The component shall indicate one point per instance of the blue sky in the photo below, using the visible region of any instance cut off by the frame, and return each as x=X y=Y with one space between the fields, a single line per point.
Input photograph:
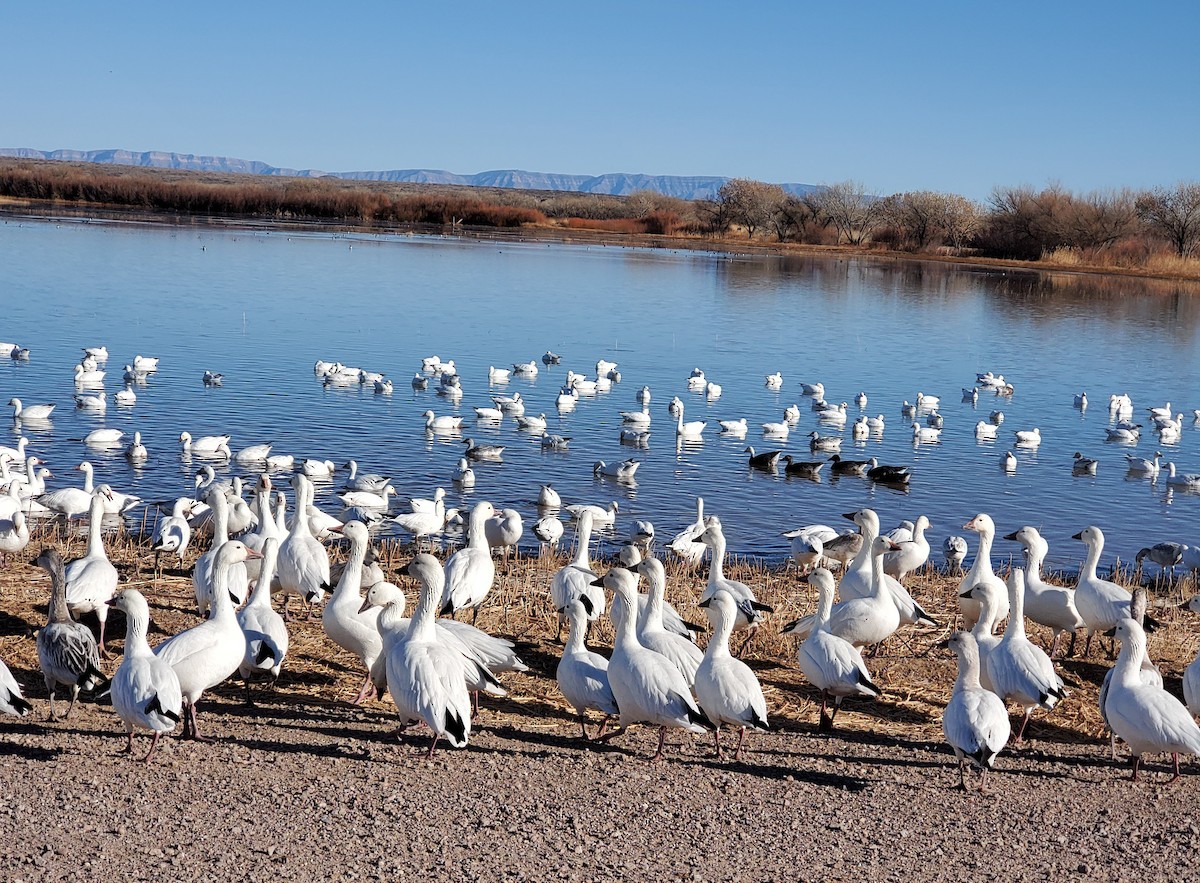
x=944 y=96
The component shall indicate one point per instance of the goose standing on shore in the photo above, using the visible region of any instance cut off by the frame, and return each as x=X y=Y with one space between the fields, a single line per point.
x=832 y=664
x=263 y=628
x=581 y=674
x=145 y=689
x=204 y=573
x=749 y=609
x=726 y=688
x=1147 y=718
x=1101 y=603
x=92 y=579
x=975 y=721
x=470 y=571
x=344 y=624
x=67 y=651
x=303 y=561
x=686 y=545
x=208 y=653
x=647 y=687
x=173 y=533
x=651 y=634
x=575 y=580
x=981 y=574
x=1051 y=606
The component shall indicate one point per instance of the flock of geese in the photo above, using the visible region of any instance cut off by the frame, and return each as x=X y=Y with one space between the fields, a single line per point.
x=434 y=665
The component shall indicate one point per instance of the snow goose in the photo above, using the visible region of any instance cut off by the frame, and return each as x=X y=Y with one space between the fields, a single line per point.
x=776 y=430
x=549 y=530
x=581 y=674
x=419 y=382
x=319 y=469
x=498 y=375
x=67 y=651
x=954 y=550
x=18 y=453
x=551 y=442
x=1018 y=669
x=362 y=481
x=712 y=390
x=464 y=475
x=1008 y=462
x=206 y=654
x=264 y=630
x=470 y=571
x=637 y=419
x=775 y=381
x=204 y=575
x=11 y=700
x=686 y=545
x=444 y=423
x=14 y=534
x=923 y=435
x=532 y=424
x=791 y=414
x=996 y=417
x=93 y=402
x=648 y=688
x=860 y=430
x=885 y=473
x=975 y=721
x=808 y=544
x=488 y=415
x=214 y=446
x=833 y=414
x=303 y=561
x=970 y=395
x=876 y=423
x=85 y=378
x=602 y=516
x=635 y=437
x=831 y=664
x=691 y=430
x=816 y=390
x=575 y=580
x=426 y=678
x=651 y=633
x=926 y=403
x=115 y=502
x=726 y=688
x=482 y=452
x=1189 y=480
x=1101 y=604
x=1191 y=674
x=1149 y=673
x=912 y=554
x=985 y=430
x=1081 y=465
x=172 y=534
x=354 y=631
x=1028 y=438
x=1165 y=555
x=548 y=498
x=525 y=369
x=865 y=620
x=513 y=404
x=136 y=452
x=503 y=531
x=1123 y=435
x=1147 y=718
x=368 y=499
x=749 y=609
x=92 y=580
x=623 y=471
x=253 y=454
x=145 y=689
x=981 y=574
x=675 y=407
x=212 y=378
x=126 y=396
x=145 y=363
x=1051 y=606
x=818 y=442
x=735 y=428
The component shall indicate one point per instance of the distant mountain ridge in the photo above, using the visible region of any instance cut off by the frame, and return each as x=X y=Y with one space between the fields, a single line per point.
x=613 y=184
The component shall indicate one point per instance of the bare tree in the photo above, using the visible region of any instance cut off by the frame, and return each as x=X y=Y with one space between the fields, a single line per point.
x=959 y=219
x=851 y=209
x=1173 y=213
x=751 y=203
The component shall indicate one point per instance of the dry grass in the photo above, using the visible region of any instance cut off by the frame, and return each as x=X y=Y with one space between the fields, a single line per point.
x=916 y=679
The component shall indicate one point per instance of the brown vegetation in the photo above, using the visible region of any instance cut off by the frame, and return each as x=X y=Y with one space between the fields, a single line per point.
x=1150 y=233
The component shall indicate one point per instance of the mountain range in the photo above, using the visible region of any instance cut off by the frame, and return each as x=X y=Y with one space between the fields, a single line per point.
x=615 y=184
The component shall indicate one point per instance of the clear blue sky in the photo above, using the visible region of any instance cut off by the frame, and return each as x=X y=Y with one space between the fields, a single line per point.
x=955 y=96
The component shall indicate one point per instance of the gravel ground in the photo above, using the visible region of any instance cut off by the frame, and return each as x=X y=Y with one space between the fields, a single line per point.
x=304 y=785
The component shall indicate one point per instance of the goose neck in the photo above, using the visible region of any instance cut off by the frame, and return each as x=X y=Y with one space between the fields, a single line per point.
x=95 y=544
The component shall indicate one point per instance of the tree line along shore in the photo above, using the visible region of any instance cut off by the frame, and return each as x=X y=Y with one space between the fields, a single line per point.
x=1153 y=233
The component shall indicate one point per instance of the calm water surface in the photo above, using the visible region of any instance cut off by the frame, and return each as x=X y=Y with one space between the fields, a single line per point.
x=262 y=307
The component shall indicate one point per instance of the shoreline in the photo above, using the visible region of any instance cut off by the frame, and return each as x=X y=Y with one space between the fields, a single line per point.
x=52 y=212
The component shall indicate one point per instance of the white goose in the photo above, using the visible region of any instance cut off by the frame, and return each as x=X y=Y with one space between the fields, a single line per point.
x=1149 y=673
x=67 y=652
x=361 y=481
x=92 y=579
x=686 y=545
x=204 y=575
x=344 y=624
x=870 y=619
x=1018 y=669
x=303 y=561
x=503 y=531
x=691 y=430
x=206 y=654
x=1028 y=438
x=575 y=580
x=602 y=516
x=32 y=412
x=975 y=721
x=581 y=674
x=1144 y=466
x=11 y=700
x=319 y=469
x=254 y=453
x=14 y=533
x=1101 y=603
x=549 y=530
x=623 y=471
x=832 y=664
x=647 y=687
x=470 y=571
x=1051 y=606
x=105 y=437
x=145 y=689
x=981 y=574
x=172 y=534
x=1147 y=718
x=637 y=419
x=136 y=451
x=425 y=678
x=726 y=688
x=683 y=654
x=115 y=502
x=212 y=446
x=749 y=609
x=368 y=499
x=912 y=554
x=265 y=633
x=73 y=501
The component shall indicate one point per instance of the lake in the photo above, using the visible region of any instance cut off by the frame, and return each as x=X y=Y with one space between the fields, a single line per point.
x=262 y=307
